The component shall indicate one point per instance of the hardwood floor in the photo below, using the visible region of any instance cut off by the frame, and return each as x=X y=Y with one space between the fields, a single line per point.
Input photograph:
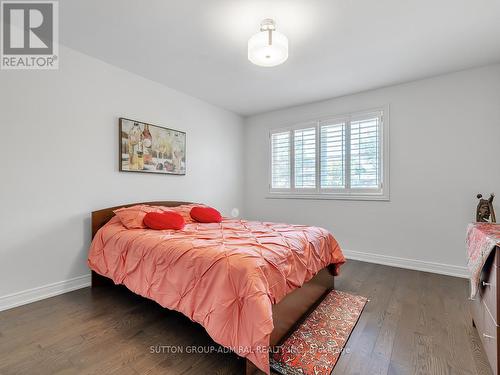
x=415 y=323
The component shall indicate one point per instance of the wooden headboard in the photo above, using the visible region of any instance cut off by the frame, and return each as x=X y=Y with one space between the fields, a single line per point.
x=101 y=217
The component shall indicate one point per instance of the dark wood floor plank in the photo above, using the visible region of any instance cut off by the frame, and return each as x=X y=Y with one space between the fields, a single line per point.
x=404 y=346
x=414 y=323
x=455 y=306
x=366 y=345
x=434 y=328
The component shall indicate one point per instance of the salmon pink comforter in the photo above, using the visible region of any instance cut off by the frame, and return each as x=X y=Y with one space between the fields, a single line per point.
x=224 y=276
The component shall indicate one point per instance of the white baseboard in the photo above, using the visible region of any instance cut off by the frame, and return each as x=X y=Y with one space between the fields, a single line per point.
x=412 y=264
x=31 y=295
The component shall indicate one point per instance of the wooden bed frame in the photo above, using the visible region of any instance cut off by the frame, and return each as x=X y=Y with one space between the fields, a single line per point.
x=287 y=314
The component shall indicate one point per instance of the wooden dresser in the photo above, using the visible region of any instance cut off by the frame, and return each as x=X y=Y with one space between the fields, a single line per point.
x=485 y=311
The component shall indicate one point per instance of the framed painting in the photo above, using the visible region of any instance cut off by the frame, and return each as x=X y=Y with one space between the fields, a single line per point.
x=148 y=148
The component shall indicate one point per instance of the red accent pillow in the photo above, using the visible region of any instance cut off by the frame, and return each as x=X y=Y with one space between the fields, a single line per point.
x=164 y=220
x=205 y=215
x=182 y=210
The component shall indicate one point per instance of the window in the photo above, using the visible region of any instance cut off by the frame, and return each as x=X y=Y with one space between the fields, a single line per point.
x=343 y=157
x=333 y=148
x=280 y=144
x=305 y=158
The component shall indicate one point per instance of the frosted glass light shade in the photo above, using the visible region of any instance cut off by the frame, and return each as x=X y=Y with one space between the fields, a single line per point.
x=261 y=53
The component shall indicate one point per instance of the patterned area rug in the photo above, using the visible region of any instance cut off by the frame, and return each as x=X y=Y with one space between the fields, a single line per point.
x=315 y=346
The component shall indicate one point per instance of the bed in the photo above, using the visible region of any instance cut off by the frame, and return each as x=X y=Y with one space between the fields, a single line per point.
x=247 y=283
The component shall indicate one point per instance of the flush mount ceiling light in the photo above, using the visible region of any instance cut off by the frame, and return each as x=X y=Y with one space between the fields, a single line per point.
x=268 y=47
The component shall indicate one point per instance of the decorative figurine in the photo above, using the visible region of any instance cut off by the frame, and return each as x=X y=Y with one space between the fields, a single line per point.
x=485 y=209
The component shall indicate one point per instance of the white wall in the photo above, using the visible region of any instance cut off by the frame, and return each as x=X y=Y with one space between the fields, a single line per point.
x=445 y=142
x=59 y=162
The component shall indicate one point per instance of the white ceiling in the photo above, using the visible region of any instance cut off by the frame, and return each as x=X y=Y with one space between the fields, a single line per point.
x=337 y=47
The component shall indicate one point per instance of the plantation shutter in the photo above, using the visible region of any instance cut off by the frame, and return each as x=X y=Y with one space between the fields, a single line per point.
x=337 y=157
x=332 y=154
x=280 y=169
x=365 y=153
x=305 y=158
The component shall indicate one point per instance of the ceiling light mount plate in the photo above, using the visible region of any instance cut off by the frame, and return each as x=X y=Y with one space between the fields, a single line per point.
x=268 y=24
x=268 y=47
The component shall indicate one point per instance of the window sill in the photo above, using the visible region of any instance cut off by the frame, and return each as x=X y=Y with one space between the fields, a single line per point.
x=326 y=196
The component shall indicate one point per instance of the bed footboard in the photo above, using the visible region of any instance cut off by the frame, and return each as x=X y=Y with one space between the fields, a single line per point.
x=295 y=307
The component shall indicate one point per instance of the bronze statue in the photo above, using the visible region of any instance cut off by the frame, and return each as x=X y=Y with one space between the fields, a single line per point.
x=485 y=209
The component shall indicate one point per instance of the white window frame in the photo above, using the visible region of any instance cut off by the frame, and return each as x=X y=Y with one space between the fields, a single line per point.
x=381 y=194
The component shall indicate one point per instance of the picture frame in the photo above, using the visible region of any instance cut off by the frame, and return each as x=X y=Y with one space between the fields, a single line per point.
x=148 y=148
